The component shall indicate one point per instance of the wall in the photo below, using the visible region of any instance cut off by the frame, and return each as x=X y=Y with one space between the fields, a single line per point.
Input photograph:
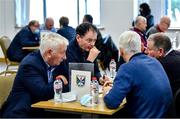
x=116 y=16
x=7 y=19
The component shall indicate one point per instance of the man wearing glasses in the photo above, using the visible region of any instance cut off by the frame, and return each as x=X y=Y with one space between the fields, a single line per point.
x=82 y=49
x=27 y=36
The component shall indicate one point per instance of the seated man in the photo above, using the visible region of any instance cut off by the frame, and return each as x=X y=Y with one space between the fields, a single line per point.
x=34 y=80
x=65 y=30
x=142 y=80
x=27 y=36
x=140 y=28
x=82 y=49
x=105 y=45
x=161 y=27
x=160 y=47
x=48 y=26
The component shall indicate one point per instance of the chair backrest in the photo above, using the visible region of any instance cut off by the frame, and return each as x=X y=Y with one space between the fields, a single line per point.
x=4 y=42
x=110 y=51
x=6 y=83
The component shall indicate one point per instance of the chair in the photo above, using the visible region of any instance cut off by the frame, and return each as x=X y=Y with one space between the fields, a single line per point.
x=4 y=43
x=6 y=83
x=109 y=52
x=177 y=102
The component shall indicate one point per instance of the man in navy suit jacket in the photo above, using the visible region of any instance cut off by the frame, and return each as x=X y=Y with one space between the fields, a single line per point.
x=159 y=46
x=27 y=36
x=32 y=83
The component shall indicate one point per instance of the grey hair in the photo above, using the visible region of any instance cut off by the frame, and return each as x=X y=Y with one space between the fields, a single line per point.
x=161 y=40
x=130 y=41
x=51 y=41
x=139 y=19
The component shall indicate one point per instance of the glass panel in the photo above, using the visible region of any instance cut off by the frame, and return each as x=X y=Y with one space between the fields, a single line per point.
x=82 y=10
x=173 y=11
x=36 y=10
x=93 y=8
x=58 y=8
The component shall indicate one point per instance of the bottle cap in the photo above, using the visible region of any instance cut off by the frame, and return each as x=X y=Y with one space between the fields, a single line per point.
x=58 y=78
x=94 y=78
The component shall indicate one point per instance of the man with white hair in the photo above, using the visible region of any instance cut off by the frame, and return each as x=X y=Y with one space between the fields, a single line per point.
x=142 y=80
x=34 y=79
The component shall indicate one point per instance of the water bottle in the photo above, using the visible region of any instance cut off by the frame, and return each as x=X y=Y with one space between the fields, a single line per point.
x=94 y=91
x=58 y=87
x=112 y=68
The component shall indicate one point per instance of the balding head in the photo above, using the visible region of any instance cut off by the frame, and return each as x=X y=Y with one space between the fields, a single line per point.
x=164 y=23
x=141 y=23
x=49 y=23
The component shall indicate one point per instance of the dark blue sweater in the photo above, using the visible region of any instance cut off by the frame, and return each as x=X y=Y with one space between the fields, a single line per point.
x=145 y=85
x=25 y=37
x=67 y=32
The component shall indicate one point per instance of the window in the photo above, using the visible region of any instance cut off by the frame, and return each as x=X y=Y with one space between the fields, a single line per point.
x=73 y=9
x=173 y=11
x=59 y=8
x=36 y=10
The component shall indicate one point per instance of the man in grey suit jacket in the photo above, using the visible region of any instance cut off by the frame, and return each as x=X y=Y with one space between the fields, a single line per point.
x=32 y=83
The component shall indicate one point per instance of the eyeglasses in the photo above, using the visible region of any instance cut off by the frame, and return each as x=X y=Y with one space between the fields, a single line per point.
x=36 y=25
x=90 y=40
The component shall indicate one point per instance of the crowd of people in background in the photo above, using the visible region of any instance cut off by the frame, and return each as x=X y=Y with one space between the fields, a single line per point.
x=148 y=83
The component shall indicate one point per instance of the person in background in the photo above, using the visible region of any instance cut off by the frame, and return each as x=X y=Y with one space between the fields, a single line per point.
x=48 y=26
x=105 y=45
x=140 y=28
x=27 y=36
x=161 y=27
x=141 y=80
x=34 y=80
x=160 y=47
x=145 y=11
x=65 y=30
x=88 y=18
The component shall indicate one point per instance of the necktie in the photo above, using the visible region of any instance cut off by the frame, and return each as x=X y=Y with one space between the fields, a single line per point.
x=50 y=77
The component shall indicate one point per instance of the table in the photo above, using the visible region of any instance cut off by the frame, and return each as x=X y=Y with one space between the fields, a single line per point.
x=77 y=107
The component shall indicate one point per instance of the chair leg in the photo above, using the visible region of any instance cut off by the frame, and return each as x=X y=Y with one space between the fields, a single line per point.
x=6 y=70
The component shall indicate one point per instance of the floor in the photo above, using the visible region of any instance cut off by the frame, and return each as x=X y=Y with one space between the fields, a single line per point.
x=2 y=66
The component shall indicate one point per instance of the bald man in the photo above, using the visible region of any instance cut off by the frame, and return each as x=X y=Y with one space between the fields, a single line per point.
x=140 y=28
x=162 y=26
x=48 y=26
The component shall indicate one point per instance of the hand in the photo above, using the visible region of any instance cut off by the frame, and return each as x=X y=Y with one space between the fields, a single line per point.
x=61 y=77
x=93 y=53
x=106 y=90
x=108 y=83
x=107 y=86
x=103 y=79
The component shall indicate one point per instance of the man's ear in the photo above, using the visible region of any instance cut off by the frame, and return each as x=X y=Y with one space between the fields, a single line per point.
x=78 y=38
x=49 y=52
x=161 y=52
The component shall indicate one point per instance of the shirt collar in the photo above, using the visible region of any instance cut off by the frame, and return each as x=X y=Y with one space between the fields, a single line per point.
x=135 y=55
x=168 y=52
